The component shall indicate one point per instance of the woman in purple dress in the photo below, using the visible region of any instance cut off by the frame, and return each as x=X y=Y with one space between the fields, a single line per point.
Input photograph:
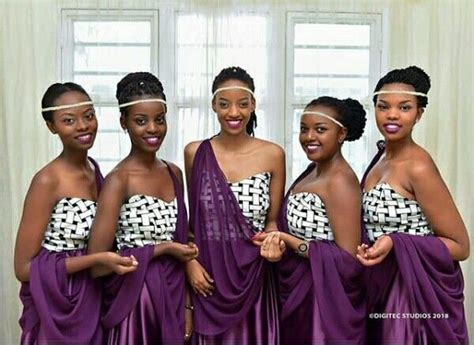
x=320 y=280
x=236 y=184
x=416 y=234
x=142 y=207
x=61 y=301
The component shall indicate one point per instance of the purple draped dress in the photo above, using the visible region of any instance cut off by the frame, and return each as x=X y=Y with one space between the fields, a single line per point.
x=415 y=296
x=323 y=296
x=243 y=307
x=147 y=305
x=59 y=308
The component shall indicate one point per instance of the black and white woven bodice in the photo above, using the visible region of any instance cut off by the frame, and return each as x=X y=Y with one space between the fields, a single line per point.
x=386 y=211
x=253 y=196
x=146 y=220
x=69 y=225
x=307 y=218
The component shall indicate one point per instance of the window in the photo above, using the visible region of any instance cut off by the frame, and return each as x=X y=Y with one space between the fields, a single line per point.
x=322 y=54
x=335 y=55
x=97 y=53
x=204 y=46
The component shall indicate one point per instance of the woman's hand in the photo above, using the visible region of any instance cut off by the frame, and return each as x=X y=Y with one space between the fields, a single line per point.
x=199 y=279
x=370 y=256
x=271 y=245
x=182 y=252
x=118 y=264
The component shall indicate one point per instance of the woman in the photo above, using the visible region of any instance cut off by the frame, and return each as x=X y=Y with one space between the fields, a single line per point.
x=61 y=302
x=416 y=243
x=235 y=184
x=142 y=207
x=321 y=287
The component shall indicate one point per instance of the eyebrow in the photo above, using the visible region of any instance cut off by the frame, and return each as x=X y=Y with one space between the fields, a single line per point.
x=405 y=101
x=163 y=113
x=220 y=98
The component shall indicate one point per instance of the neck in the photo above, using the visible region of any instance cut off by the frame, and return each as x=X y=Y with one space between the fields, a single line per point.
x=232 y=142
x=75 y=158
x=394 y=148
x=325 y=166
x=147 y=160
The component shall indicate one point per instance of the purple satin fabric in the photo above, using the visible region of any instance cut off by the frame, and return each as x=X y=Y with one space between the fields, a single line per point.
x=147 y=306
x=59 y=308
x=421 y=288
x=322 y=297
x=242 y=308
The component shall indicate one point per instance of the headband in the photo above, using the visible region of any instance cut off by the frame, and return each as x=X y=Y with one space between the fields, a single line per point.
x=147 y=100
x=323 y=115
x=233 y=88
x=414 y=93
x=66 y=106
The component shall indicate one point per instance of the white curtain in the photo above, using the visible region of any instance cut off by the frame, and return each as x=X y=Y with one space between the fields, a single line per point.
x=436 y=35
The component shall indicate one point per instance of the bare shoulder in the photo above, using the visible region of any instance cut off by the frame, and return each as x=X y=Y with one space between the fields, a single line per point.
x=191 y=148
x=269 y=148
x=47 y=177
x=421 y=165
x=116 y=180
x=343 y=181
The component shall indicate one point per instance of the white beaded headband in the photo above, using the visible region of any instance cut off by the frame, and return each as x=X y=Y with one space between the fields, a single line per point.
x=67 y=106
x=147 y=100
x=414 y=93
x=233 y=88
x=323 y=115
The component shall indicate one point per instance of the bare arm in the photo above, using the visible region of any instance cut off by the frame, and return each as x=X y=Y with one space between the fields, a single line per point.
x=277 y=186
x=439 y=208
x=36 y=213
x=104 y=228
x=343 y=207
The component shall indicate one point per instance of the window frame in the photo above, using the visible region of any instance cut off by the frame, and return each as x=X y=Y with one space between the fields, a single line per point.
x=376 y=56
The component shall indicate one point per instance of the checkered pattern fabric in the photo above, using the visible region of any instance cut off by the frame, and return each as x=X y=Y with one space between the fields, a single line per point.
x=146 y=220
x=307 y=218
x=69 y=225
x=387 y=212
x=253 y=196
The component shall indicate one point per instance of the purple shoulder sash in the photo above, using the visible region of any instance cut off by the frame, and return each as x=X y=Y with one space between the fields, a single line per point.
x=223 y=236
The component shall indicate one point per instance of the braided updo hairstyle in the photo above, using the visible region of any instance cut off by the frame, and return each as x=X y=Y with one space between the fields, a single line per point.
x=138 y=85
x=54 y=92
x=349 y=112
x=240 y=74
x=413 y=76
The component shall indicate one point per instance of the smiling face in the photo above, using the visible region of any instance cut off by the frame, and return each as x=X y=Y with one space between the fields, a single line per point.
x=320 y=137
x=76 y=127
x=233 y=107
x=397 y=113
x=146 y=125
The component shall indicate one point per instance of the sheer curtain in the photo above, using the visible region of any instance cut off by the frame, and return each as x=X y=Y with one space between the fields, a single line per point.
x=196 y=40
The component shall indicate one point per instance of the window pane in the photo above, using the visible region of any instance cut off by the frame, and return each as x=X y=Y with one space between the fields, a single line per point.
x=112 y=59
x=336 y=87
x=103 y=86
x=105 y=146
x=332 y=34
x=112 y=32
x=332 y=61
x=109 y=118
